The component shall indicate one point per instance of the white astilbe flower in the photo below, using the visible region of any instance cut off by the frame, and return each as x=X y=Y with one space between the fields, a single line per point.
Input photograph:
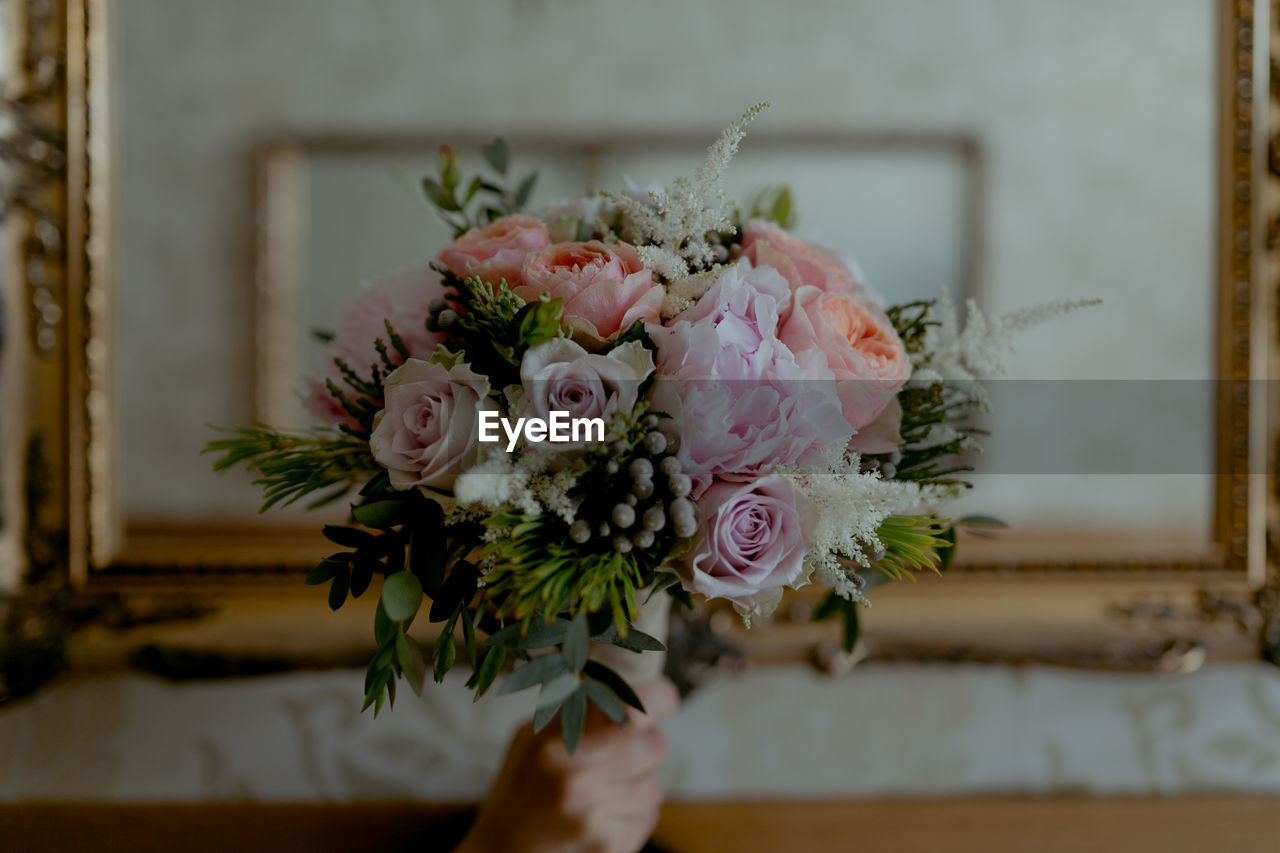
x=678 y=220
x=535 y=481
x=977 y=350
x=683 y=293
x=849 y=506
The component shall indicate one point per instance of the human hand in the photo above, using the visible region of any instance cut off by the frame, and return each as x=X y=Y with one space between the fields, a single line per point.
x=604 y=798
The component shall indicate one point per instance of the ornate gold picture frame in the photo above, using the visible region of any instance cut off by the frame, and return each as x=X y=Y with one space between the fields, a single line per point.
x=58 y=207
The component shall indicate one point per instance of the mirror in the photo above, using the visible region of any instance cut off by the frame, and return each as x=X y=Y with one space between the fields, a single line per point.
x=1100 y=148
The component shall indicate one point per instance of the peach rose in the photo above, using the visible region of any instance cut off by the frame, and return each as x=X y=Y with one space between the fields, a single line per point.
x=605 y=288
x=496 y=251
x=801 y=263
x=859 y=345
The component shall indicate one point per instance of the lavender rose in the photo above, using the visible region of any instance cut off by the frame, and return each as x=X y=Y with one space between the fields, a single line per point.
x=560 y=375
x=751 y=543
x=428 y=431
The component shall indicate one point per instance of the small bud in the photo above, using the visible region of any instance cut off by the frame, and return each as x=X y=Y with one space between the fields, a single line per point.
x=446 y=318
x=622 y=544
x=686 y=527
x=623 y=516
x=580 y=531
x=655 y=442
x=611 y=467
x=643 y=538
x=877 y=555
x=632 y=500
x=641 y=469
x=670 y=465
x=436 y=306
x=620 y=447
x=680 y=485
x=642 y=489
x=605 y=529
x=887 y=470
x=654 y=518
x=652 y=421
x=895 y=457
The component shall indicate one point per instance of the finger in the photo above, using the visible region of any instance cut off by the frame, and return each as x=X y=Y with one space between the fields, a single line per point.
x=623 y=753
x=660 y=698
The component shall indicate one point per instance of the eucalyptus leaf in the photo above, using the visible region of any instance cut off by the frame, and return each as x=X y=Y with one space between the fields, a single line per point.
x=557 y=689
x=381 y=515
x=616 y=683
x=482 y=679
x=412 y=663
x=538 y=635
x=573 y=717
x=577 y=642
x=444 y=653
x=348 y=537
x=526 y=189
x=384 y=630
x=540 y=670
x=497 y=154
x=339 y=587
x=328 y=567
x=401 y=595
x=604 y=699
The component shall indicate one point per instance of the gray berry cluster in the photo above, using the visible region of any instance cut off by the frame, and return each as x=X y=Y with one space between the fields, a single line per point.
x=656 y=503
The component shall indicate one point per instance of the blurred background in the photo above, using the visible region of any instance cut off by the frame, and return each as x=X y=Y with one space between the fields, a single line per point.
x=263 y=159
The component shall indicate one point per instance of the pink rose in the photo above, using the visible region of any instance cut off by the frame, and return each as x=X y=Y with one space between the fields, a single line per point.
x=605 y=288
x=428 y=432
x=801 y=263
x=739 y=400
x=858 y=343
x=751 y=543
x=403 y=299
x=496 y=251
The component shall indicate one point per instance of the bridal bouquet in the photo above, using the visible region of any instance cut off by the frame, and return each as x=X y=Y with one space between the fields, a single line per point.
x=572 y=417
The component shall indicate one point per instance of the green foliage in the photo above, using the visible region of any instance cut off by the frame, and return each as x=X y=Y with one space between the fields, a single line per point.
x=494 y=327
x=912 y=543
x=292 y=466
x=466 y=204
x=773 y=203
x=936 y=420
x=537 y=571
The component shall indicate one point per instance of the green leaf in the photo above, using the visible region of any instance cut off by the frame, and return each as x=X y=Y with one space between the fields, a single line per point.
x=538 y=635
x=374 y=691
x=497 y=154
x=339 y=588
x=412 y=664
x=440 y=197
x=573 y=716
x=348 y=537
x=328 y=567
x=361 y=576
x=469 y=635
x=401 y=595
x=381 y=515
x=982 y=521
x=384 y=630
x=577 y=642
x=537 y=671
x=526 y=189
x=542 y=715
x=444 y=651
x=599 y=672
x=604 y=699
x=638 y=641
x=488 y=669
